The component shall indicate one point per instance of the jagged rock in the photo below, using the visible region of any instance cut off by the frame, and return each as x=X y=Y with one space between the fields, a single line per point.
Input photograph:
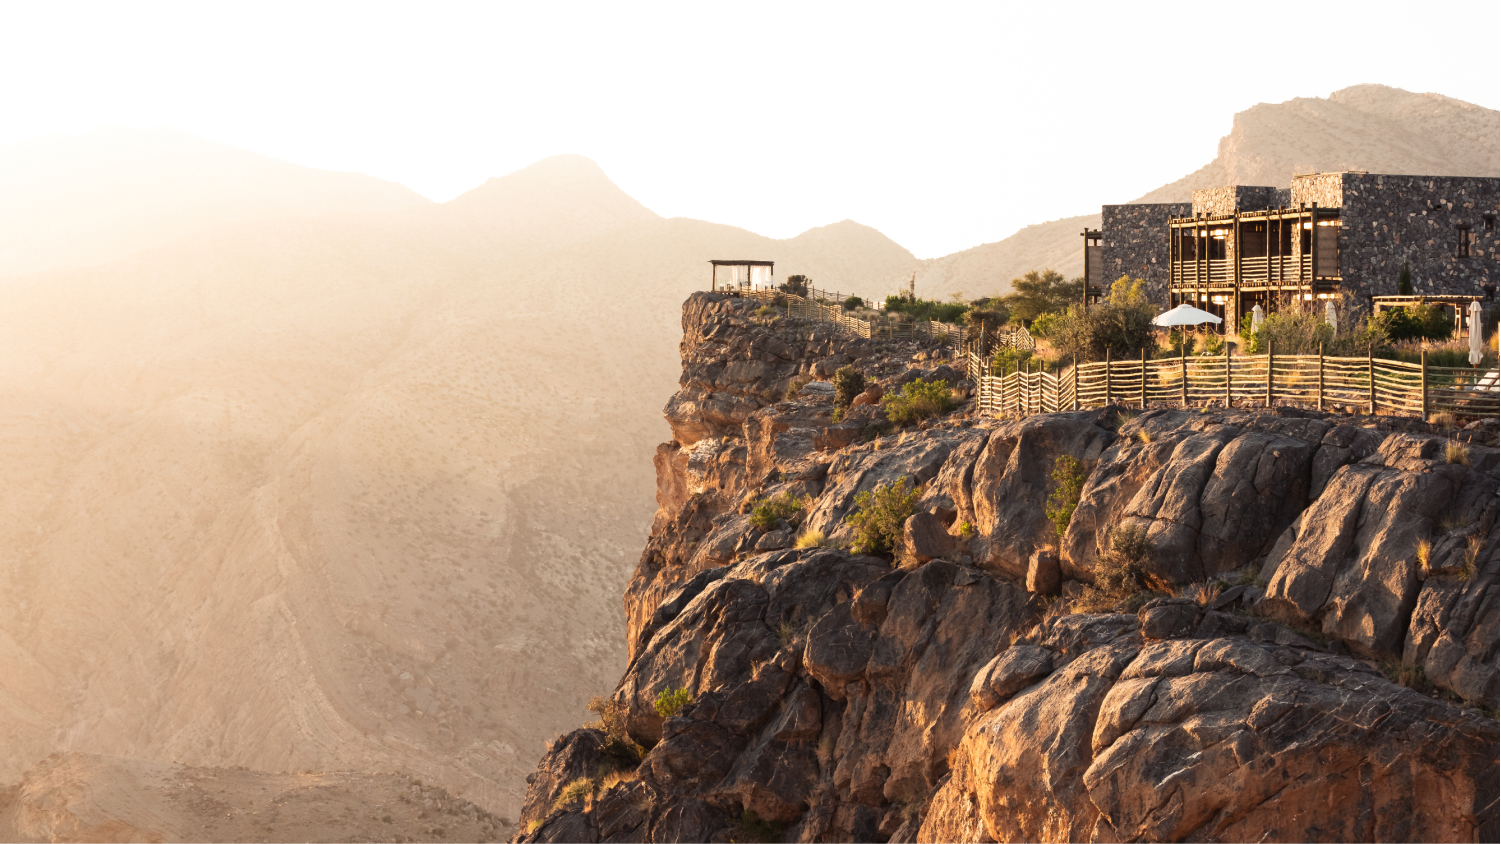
x=1168 y=742
x=1350 y=563
x=1168 y=618
x=841 y=698
x=1044 y=577
x=1013 y=478
x=576 y=755
x=925 y=538
x=1013 y=670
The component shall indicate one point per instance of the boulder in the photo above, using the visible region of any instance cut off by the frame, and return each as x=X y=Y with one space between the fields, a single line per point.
x=925 y=538
x=1044 y=577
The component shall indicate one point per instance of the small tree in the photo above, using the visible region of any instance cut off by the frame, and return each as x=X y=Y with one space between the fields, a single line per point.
x=797 y=285
x=880 y=517
x=1404 y=280
x=1037 y=293
x=1069 y=474
x=848 y=383
x=853 y=302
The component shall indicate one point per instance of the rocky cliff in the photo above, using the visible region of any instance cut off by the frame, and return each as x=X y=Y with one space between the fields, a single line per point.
x=1311 y=654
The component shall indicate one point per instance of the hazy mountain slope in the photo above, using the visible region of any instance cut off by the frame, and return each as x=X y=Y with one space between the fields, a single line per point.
x=79 y=200
x=80 y=797
x=346 y=493
x=1364 y=127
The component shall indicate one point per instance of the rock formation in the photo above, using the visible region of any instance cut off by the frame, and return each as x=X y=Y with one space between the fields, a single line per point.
x=1299 y=564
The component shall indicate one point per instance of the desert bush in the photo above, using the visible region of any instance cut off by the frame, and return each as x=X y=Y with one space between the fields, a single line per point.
x=574 y=792
x=1037 y=293
x=1405 y=674
x=612 y=719
x=966 y=530
x=1069 y=474
x=848 y=383
x=766 y=311
x=916 y=401
x=671 y=701
x=881 y=516
x=767 y=512
x=1121 y=571
x=853 y=302
x=1203 y=592
x=920 y=309
x=797 y=384
x=1047 y=323
x=1009 y=360
x=1120 y=326
x=797 y=285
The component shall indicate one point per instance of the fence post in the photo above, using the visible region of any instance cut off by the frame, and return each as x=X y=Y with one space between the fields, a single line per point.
x=1321 y=376
x=1228 y=377
x=1076 y=381
x=1143 y=377
x=1423 y=362
x=1271 y=354
x=1107 y=377
x=1183 y=383
x=1370 y=374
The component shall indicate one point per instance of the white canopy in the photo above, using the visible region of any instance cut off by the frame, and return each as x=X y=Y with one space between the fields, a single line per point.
x=1475 y=348
x=1185 y=314
x=1330 y=316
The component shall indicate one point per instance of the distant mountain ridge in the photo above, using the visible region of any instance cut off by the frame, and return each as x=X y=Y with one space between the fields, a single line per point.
x=1363 y=127
x=82 y=200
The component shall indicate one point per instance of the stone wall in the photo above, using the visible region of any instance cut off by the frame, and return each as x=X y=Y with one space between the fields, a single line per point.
x=1232 y=198
x=1322 y=189
x=1136 y=244
x=1386 y=220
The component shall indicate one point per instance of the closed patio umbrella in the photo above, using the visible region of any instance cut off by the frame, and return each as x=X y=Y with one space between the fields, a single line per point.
x=1257 y=315
x=1475 y=352
x=1330 y=316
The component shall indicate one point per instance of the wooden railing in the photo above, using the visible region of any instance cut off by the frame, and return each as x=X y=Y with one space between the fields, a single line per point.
x=1370 y=385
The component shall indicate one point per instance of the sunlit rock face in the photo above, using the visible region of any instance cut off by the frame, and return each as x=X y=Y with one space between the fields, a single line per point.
x=949 y=692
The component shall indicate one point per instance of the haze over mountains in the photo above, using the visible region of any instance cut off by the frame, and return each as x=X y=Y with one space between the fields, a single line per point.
x=1363 y=127
x=351 y=491
x=307 y=472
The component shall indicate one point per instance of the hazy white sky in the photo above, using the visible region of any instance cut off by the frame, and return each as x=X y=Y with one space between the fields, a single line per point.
x=942 y=125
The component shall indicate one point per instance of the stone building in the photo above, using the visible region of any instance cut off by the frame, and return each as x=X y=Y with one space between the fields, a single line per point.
x=1327 y=235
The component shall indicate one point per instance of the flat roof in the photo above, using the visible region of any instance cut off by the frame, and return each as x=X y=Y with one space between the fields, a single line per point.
x=743 y=263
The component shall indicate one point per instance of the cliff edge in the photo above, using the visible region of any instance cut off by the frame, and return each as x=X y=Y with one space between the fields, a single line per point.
x=1308 y=652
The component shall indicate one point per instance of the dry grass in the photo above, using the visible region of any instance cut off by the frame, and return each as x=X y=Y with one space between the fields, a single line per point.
x=1425 y=554
x=1473 y=546
x=1443 y=420
x=1456 y=452
x=1145 y=436
x=1202 y=593
x=811 y=538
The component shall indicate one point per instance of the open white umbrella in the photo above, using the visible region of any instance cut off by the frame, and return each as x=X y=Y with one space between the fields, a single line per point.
x=1330 y=316
x=1185 y=314
x=1257 y=315
x=1475 y=353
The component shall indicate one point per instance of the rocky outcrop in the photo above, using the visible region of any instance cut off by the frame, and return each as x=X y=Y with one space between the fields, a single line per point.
x=1302 y=563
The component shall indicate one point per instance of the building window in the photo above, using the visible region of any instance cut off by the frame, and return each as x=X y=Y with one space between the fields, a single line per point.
x=1466 y=241
x=1490 y=222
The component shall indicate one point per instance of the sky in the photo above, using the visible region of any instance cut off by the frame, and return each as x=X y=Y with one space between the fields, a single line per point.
x=943 y=125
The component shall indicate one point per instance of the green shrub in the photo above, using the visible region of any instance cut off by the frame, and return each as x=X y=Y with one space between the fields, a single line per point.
x=917 y=400
x=1009 y=360
x=919 y=309
x=797 y=285
x=797 y=384
x=767 y=512
x=848 y=383
x=853 y=302
x=1069 y=474
x=1417 y=322
x=671 y=701
x=881 y=516
x=966 y=530
x=766 y=311
x=1046 y=324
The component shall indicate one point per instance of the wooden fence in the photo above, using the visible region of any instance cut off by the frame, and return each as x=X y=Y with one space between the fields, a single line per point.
x=1370 y=385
